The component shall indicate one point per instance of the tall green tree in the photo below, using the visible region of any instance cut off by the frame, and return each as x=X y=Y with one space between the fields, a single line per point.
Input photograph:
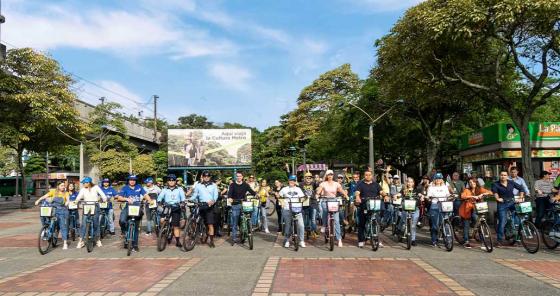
x=8 y=161
x=36 y=102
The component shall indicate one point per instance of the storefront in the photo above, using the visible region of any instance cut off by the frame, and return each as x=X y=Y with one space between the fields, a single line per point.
x=40 y=181
x=498 y=147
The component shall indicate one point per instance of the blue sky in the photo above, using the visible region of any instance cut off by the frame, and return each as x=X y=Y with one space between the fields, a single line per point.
x=239 y=61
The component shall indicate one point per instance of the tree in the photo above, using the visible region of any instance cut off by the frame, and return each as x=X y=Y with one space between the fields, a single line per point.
x=36 y=102
x=160 y=162
x=193 y=121
x=35 y=164
x=505 y=52
x=8 y=162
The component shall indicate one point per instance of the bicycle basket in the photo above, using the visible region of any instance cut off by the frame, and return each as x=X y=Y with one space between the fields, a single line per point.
x=446 y=206
x=519 y=199
x=397 y=201
x=409 y=205
x=256 y=202
x=247 y=206
x=332 y=206
x=153 y=204
x=374 y=205
x=296 y=207
x=481 y=207
x=72 y=206
x=103 y=205
x=89 y=209
x=47 y=211
x=524 y=207
x=133 y=211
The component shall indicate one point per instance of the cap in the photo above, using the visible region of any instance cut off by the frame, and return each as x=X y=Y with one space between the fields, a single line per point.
x=292 y=178
x=171 y=177
x=149 y=180
x=105 y=180
x=132 y=177
x=340 y=176
x=396 y=177
x=308 y=174
x=159 y=180
x=438 y=176
x=86 y=180
x=329 y=172
x=544 y=173
x=205 y=173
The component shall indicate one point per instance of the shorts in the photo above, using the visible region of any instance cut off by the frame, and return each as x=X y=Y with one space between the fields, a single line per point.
x=208 y=215
x=176 y=217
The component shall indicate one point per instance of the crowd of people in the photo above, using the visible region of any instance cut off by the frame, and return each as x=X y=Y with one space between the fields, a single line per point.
x=221 y=203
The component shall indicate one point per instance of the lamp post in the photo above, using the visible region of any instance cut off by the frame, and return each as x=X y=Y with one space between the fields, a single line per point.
x=304 y=151
x=293 y=150
x=372 y=123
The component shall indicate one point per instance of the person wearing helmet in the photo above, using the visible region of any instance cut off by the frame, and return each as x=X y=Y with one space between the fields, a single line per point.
x=132 y=193
x=206 y=194
x=153 y=191
x=110 y=192
x=173 y=196
x=90 y=193
x=437 y=190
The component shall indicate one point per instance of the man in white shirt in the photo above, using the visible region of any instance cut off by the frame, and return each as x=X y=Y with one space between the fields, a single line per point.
x=294 y=194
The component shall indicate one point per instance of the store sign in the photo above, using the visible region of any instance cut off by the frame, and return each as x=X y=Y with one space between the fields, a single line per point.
x=507 y=132
x=534 y=153
x=549 y=131
x=52 y=176
x=476 y=139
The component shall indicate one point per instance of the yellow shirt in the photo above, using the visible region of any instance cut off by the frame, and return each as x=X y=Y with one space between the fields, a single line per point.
x=54 y=193
x=263 y=193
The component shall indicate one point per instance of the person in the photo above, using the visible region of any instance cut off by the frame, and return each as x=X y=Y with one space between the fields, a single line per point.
x=410 y=191
x=317 y=179
x=504 y=192
x=206 y=193
x=220 y=209
x=329 y=189
x=263 y=193
x=153 y=191
x=58 y=198
x=387 y=207
x=457 y=186
x=132 y=194
x=544 y=189
x=340 y=179
x=514 y=176
x=159 y=183
x=173 y=196
x=479 y=180
x=180 y=184
x=292 y=193
x=90 y=193
x=468 y=197
x=352 y=216
x=236 y=194
x=366 y=188
x=276 y=191
x=110 y=192
x=437 y=190
x=308 y=187
x=252 y=183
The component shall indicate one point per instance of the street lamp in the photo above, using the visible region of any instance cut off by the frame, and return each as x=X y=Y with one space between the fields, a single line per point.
x=293 y=150
x=371 y=124
x=304 y=151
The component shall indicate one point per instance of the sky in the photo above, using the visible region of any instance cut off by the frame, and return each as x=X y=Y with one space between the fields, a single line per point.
x=240 y=61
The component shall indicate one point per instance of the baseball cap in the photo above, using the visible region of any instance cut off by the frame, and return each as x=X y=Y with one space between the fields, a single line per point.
x=329 y=172
x=396 y=177
x=171 y=177
x=86 y=180
x=292 y=178
x=132 y=177
x=308 y=174
x=105 y=180
x=205 y=173
x=340 y=175
x=438 y=176
x=149 y=180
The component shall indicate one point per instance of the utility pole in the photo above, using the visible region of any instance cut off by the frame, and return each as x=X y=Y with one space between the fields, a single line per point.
x=48 y=185
x=156 y=97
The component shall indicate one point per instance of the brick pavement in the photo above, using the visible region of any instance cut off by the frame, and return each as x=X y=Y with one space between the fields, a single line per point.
x=19 y=241
x=368 y=276
x=8 y=225
x=547 y=271
x=150 y=275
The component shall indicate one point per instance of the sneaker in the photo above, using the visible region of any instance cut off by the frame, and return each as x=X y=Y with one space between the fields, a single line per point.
x=136 y=249
x=340 y=243
x=65 y=246
x=266 y=231
x=287 y=244
x=381 y=245
x=178 y=245
x=413 y=243
x=302 y=244
x=211 y=244
x=80 y=244
x=322 y=229
x=434 y=245
x=467 y=245
x=499 y=244
x=99 y=244
x=361 y=244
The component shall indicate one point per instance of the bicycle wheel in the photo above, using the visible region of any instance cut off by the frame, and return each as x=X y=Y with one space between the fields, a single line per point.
x=529 y=236
x=250 y=237
x=44 y=242
x=458 y=230
x=89 y=236
x=548 y=227
x=244 y=228
x=331 y=234
x=102 y=226
x=189 y=236
x=130 y=238
x=447 y=235
x=203 y=232
x=374 y=231
x=485 y=237
x=270 y=208
x=162 y=237
x=54 y=236
x=408 y=233
x=295 y=235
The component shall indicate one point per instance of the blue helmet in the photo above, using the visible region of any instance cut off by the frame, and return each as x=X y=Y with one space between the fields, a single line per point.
x=292 y=178
x=132 y=177
x=171 y=177
x=149 y=180
x=106 y=180
x=438 y=176
x=86 y=180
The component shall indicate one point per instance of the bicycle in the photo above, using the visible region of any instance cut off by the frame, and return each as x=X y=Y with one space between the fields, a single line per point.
x=333 y=205
x=270 y=207
x=480 y=231
x=89 y=212
x=295 y=209
x=103 y=219
x=166 y=233
x=409 y=205
x=131 y=233
x=73 y=227
x=522 y=228
x=245 y=229
x=154 y=216
x=342 y=209
x=195 y=230
x=396 y=219
x=256 y=215
x=48 y=235
x=551 y=227
x=373 y=207
x=445 y=231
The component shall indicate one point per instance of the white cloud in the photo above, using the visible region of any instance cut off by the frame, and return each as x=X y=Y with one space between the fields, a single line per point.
x=383 y=5
x=232 y=76
x=170 y=5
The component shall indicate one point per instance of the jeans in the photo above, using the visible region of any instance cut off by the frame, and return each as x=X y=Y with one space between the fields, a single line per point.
x=109 y=217
x=279 y=215
x=76 y=215
x=336 y=218
x=264 y=218
x=503 y=207
x=62 y=219
x=414 y=221
x=456 y=206
x=95 y=223
x=434 y=220
x=362 y=219
x=467 y=225
x=311 y=221
x=287 y=216
x=542 y=204
x=235 y=213
x=150 y=223
x=388 y=213
x=123 y=221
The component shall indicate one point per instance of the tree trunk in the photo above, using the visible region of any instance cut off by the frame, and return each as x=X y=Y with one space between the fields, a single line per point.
x=23 y=204
x=526 y=152
x=432 y=149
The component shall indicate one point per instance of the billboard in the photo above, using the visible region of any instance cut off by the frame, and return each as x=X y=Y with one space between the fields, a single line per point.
x=209 y=147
